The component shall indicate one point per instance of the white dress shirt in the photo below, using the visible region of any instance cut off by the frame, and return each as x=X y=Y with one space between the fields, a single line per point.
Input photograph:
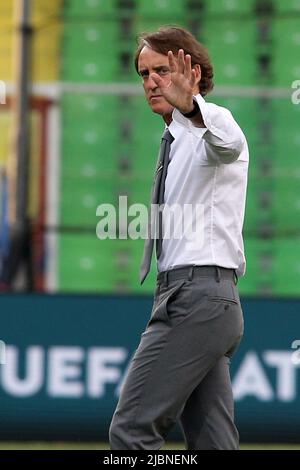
x=207 y=170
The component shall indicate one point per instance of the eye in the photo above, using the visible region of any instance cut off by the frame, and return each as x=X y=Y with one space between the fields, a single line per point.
x=164 y=71
x=144 y=73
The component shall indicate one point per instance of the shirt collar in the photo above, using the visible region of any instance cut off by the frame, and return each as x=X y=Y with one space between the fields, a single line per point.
x=175 y=128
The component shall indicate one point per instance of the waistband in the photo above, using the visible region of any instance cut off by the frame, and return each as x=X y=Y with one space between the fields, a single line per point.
x=190 y=272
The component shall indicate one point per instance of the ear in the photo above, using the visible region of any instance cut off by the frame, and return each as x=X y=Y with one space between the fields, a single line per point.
x=197 y=69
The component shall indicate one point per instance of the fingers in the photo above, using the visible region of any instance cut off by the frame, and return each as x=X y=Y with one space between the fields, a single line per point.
x=193 y=78
x=158 y=80
x=188 y=66
x=172 y=62
x=181 y=61
x=182 y=65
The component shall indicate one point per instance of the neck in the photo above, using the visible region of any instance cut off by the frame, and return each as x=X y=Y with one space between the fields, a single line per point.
x=167 y=118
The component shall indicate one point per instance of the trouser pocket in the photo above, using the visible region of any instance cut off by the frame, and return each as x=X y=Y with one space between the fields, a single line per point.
x=160 y=307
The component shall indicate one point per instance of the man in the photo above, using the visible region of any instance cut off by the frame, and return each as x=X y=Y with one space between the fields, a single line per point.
x=180 y=371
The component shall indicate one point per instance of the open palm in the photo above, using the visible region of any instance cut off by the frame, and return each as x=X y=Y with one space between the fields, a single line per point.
x=179 y=90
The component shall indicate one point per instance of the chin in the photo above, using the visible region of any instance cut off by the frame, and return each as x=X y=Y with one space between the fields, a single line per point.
x=161 y=108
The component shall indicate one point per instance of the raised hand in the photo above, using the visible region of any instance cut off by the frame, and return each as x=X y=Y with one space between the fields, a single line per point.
x=183 y=80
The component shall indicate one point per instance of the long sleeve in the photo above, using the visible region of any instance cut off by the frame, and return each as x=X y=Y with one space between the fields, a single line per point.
x=224 y=139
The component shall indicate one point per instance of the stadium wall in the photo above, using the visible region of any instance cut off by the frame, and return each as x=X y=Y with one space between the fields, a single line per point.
x=64 y=358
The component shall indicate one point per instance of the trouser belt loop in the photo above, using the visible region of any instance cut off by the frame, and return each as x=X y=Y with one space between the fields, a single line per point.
x=191 y=272
x=218 y=274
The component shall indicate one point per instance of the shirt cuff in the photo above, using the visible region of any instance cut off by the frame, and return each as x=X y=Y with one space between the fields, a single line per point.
x=187 y=123
x=207 y=119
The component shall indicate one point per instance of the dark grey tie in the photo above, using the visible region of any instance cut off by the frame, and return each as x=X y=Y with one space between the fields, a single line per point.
x=157 y=198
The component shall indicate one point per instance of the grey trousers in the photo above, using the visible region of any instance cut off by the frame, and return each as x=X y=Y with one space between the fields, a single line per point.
x=180 y=370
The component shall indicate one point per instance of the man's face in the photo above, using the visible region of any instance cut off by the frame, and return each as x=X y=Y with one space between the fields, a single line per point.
x=152 y=62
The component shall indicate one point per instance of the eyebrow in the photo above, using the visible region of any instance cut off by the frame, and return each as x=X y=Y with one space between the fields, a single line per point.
x=158 y=68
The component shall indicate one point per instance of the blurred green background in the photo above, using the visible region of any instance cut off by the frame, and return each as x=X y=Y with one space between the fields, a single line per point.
x=97 y=140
